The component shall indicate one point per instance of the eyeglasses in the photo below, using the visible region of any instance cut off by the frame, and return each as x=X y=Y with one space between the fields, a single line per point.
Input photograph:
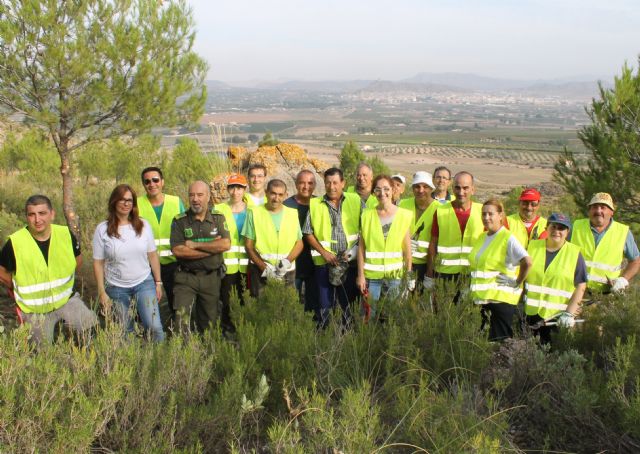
x=148 y=181
x=381 y=190
x=440 y=177
x=529 y=203
x=126 y=201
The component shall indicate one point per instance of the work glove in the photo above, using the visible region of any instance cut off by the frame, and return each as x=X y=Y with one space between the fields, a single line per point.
x=414 y=246
x=352 y=253
x=283 y=267
x=567 y=320
x=619 y=284
x=507 y=281
x=270 y=272
x=428 y=283
x=411 y=281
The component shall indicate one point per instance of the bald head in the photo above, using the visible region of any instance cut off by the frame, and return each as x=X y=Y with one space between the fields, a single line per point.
x=463 y=188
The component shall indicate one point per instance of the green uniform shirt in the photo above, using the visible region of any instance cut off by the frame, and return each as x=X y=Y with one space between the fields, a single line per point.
x=186 y=227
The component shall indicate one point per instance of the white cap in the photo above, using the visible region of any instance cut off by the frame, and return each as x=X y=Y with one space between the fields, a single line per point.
x=423 y=177
x=402 y=179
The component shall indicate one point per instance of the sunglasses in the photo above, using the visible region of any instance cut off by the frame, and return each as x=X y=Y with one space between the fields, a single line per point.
x=147 y=181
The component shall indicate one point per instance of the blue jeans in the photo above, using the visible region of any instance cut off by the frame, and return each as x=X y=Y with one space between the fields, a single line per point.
x=328 y=295
x=146 y=304
x=387 y=288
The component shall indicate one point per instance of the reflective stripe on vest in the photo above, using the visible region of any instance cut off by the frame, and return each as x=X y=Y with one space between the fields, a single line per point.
x=420 y=228
x=235 y=259
x=549 y=291
x=454 y=247
x=161 y=230
x=321 y=223
x=604 y=261
x=42 y=287
x=517 y=227
x=271 y=245
x=486 y=268
x=383 y=256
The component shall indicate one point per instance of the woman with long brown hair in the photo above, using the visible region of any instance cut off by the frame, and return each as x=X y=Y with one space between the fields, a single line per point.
x=126 y=264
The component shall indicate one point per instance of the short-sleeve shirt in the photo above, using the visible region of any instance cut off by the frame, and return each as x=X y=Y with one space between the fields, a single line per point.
x=515 y=251
x=8 y=257
x=462 y=215
x=186 y=227
x=304 y=262
x=579 y=275
x=126 y=260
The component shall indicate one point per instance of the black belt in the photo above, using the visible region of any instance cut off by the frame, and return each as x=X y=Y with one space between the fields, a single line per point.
x=197 y=272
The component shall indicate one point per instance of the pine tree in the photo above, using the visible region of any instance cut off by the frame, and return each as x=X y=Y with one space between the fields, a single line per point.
x=613 y=140
x=86 y=70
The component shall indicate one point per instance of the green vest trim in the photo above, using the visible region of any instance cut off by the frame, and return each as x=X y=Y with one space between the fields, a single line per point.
x=271 y=245
x=549 y=291
x=486 y=268
x=235 y=259
x=420 y=228
x=42 y=287
x=604 y=261
x=161 y=230
x=453 y=247
x=517 y=227
x=321 y=223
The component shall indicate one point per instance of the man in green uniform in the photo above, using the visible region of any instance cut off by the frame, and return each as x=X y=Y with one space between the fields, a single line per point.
x=159 y=209
x=198 y=238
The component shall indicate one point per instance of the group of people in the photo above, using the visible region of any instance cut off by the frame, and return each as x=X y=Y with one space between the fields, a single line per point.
x=364 y=242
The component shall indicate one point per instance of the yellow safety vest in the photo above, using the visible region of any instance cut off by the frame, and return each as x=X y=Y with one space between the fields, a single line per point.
x=453 y=246
x=161 y=230
x=517 y=227
x=604 y=261
x=421 y=225
x=383 y=257
x=549 y=291
x=235 y=259
x=42 y=287
x=486 y=268
x=271 y=245
x=371 y=202
x=321 y=223
x=246 y=198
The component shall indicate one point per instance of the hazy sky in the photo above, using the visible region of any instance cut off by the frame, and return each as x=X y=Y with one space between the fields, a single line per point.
x=395 y=39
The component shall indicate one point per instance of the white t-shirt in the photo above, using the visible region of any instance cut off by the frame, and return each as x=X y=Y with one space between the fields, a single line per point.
x=126 y=263
x=515 y=251
x=258 y=200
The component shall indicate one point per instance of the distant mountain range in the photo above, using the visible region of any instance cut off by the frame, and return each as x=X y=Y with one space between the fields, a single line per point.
x=580 y=87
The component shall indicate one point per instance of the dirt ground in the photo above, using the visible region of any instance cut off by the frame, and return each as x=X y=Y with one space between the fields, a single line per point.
x=492 y=178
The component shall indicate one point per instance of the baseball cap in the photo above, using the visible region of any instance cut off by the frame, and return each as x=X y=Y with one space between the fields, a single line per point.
x=422 y=177
x=399 y=177
x=559 y=218
x=236 y=179
x=530 y=195
x=603 y=198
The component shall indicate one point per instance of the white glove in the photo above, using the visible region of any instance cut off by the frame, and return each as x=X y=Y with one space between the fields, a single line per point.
x=411 y=284
x=619 y=284
x=414 y=246
x=283 y=267
x=270 y=272
x=428 y=283
x=507 y=281
x=567 y=320
x=352 y=253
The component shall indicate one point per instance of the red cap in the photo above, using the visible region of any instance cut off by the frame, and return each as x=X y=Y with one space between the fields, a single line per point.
x=236 y=179
x=530 y=195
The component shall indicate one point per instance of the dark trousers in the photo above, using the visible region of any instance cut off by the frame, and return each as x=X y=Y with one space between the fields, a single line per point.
x=544 y=332
x=308 y=291
x=420 y=269
x=231 y=282
x=328 y=294
x=257 y=282
x=168 y=272
x=500 y=317
x=202 y=289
